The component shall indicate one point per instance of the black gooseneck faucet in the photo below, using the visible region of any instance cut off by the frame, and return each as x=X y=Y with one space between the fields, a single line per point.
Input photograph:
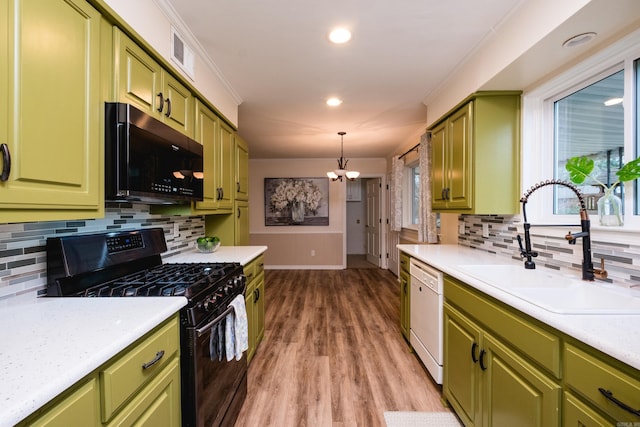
x=588 y=271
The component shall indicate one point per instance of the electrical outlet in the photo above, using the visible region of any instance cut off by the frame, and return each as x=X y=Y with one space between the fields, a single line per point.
x=176 y=230
x=461 y=228
x=313 y=252
x=485 y=230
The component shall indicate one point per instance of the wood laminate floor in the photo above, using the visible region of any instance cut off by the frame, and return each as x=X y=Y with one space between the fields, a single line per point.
x=333 y=354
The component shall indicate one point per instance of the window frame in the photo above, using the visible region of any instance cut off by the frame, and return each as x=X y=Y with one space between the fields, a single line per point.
x=537 y=125
x=408 y=196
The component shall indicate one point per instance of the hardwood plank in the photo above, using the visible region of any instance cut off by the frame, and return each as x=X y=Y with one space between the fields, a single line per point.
x=332 y=353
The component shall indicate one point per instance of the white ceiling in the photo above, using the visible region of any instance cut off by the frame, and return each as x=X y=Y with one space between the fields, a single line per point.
x=278 y=60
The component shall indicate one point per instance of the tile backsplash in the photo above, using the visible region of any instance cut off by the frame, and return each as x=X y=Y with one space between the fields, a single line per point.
x=622 y=261
x=23 y=263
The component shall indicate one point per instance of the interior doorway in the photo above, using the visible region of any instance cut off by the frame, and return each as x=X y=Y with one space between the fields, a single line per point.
x=364 y=223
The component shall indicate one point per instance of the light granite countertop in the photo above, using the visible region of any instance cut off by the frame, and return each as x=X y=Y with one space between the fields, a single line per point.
x=617 y=335
x=49 y=344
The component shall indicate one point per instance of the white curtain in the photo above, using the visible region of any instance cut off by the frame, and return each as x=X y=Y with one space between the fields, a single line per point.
x=397 y=172
x=426 y=219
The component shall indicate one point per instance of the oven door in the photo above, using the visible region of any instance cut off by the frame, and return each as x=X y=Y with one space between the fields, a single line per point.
x=213 y=388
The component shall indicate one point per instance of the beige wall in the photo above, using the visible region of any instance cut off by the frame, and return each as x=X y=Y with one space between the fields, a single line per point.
x=291 y=247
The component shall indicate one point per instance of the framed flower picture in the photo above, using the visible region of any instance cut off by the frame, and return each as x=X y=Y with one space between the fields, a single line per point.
x=296 y=201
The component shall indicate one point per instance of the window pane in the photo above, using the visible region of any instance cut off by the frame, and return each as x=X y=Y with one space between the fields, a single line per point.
x=415 y=191
x=585 y=126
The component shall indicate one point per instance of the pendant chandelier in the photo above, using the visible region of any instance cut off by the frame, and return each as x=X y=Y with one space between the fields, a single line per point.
x=341 y=171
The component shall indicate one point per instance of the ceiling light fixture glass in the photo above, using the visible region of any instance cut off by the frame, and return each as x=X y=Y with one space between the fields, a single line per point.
x=337 y=174
x=340 y=35
x=334 y=102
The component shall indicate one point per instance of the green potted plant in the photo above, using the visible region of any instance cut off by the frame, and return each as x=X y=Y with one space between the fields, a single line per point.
x=609 y=205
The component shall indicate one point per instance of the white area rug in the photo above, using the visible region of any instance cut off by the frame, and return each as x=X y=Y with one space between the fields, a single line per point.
x=421 y=419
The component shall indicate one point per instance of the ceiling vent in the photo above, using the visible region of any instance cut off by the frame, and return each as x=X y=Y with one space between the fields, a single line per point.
x=182 y=54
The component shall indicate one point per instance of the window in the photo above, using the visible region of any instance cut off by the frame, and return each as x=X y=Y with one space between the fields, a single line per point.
x=589 y=122
x=411 y=196
x=567 y=117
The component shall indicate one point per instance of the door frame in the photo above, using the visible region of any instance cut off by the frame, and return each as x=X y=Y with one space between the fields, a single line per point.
x=383 y=218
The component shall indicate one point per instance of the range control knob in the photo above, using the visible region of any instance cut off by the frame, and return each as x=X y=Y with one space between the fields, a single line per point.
x=211 y=301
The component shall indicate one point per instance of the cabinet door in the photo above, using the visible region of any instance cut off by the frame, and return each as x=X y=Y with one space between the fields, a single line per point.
x=138 y=76
x=178 y=108
x=207 y=133
x=251 y=322
x=405 y=292
x=461 y=382
x=158 y=404
x=242 y=224
x=258 y=302
x=51 y=110
x=439 y=169
x=79 y=408
x=460 y=150
x=242 y=168
x=514 y=393
x=226 y=170
x=575 y=413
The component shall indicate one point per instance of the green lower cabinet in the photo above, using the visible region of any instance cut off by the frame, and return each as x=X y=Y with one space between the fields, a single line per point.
x=575 y=413
x=489 y=384
x=157 y=405
x=80 y=407
x=255 y=303
x=405 y=304
x=514 y=392
x=505 y=368
x=123 y=392
x=461 y=383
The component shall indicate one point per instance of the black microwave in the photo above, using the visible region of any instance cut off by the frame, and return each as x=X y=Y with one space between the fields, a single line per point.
x=147 y=161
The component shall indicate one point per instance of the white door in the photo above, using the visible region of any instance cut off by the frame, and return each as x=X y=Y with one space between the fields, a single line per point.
x=373 y=221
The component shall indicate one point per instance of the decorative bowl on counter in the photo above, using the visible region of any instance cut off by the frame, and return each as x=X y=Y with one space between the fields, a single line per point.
x=207 y=244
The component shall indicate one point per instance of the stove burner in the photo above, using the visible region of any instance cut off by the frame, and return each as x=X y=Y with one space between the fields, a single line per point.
x=163 y=280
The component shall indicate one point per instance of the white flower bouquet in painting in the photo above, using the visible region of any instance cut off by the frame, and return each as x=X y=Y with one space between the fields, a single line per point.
x=292 y=193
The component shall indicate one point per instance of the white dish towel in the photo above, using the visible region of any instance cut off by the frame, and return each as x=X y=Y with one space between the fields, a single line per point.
x=237 y=329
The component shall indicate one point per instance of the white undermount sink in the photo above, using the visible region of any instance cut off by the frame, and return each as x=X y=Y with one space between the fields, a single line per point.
x=555 y=292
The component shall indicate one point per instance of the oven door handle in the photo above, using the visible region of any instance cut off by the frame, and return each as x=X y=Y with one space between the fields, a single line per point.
x=201 y=331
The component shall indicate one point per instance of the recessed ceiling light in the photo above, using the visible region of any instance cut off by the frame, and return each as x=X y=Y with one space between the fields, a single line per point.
x=340 y=35
x=579 y=39
x=334 y=102
x=613 y=101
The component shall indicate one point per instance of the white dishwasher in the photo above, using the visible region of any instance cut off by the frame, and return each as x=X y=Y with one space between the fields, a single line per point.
x=426 y=316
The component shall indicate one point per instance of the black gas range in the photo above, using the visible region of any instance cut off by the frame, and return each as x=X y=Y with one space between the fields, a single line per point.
x=129 y=264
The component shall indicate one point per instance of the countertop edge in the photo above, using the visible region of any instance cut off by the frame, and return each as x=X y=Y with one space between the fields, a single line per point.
x=241 y=254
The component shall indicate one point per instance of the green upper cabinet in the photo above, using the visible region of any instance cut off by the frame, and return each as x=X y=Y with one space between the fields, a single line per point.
x=242 y=168
x=51 y=111
x=219 y=177
x=143 y=82
x=476 y=156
